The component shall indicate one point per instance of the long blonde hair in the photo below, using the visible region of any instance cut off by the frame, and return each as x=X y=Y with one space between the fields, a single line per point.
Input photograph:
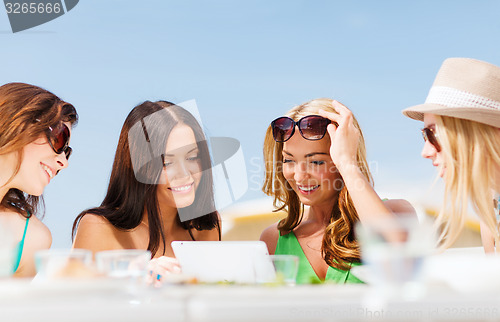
x=339 y=246
x=471 y=153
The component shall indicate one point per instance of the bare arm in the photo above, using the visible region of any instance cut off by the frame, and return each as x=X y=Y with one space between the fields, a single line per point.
x=401 y=208
x=487 y=238
x=270 y=236
x=96 y=234
x=344 y=146
x=368 y=204
x=38 y=237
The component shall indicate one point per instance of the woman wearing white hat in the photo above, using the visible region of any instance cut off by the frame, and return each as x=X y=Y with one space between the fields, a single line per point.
x=461 y=118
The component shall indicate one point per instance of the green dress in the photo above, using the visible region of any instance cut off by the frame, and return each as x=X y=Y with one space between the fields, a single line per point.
x=289 y=245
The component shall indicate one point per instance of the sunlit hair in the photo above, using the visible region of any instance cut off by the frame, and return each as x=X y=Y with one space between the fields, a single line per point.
x=471 y=152
x=129 y=195
x=26 y=112
x=339 y=246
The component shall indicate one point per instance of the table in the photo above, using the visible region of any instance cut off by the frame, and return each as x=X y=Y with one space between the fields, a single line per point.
x=21 y=300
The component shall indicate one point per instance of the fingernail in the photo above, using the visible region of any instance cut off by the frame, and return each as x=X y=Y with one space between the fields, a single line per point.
x=158 y=277
x=151 y=273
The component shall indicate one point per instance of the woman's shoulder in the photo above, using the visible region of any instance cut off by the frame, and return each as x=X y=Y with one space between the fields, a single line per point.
x=96 y=233
x=38 y=229
x=95 y=224
x=17 y=223
x=400 y=207
x=270 y=236
x=91 y=219
x=38 y=237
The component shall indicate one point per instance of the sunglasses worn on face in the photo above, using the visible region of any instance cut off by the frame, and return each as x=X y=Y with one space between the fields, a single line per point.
x=58 y=137
x=311 y=127
x=429 y=135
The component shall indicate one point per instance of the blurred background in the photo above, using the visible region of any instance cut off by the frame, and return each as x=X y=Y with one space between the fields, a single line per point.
x=246 y=63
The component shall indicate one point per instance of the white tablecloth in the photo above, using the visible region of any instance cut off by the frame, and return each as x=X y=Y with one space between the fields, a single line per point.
x=107 y=301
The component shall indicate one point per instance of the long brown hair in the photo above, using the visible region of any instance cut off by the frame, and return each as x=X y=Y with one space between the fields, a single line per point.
x=339 y=246
x=137 y=169
x=26 y=111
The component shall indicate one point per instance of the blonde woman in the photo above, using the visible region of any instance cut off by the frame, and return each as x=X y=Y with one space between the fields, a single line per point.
x=461 y=118
x=35 y=130
x=315 y=156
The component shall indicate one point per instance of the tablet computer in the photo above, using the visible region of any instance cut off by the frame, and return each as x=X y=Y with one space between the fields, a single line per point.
x=223 y=261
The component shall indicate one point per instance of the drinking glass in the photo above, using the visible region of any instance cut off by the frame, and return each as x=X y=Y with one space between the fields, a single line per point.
x=277 y=269
x=64 y=263
x=394 y=249
x=130 y=264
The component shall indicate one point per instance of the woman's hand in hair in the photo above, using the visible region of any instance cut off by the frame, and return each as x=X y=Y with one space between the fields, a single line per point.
x=344 y=137
x=160 y=267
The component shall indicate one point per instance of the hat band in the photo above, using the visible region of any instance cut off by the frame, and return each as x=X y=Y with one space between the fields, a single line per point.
x=451 y=97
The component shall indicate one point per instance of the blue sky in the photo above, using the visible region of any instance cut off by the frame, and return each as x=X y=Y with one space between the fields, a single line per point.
x=245 y=63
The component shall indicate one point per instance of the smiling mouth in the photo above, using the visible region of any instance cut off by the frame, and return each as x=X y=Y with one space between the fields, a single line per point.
x=182 y=189
x=48 y=170
x=308 y=189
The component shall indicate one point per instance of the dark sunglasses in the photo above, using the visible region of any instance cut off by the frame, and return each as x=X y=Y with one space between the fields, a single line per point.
x=429 y=135
x=311 y=127
x=58 y=137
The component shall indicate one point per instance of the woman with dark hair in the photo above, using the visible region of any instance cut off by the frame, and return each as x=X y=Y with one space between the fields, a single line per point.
x=35 y=130
x=160 y=189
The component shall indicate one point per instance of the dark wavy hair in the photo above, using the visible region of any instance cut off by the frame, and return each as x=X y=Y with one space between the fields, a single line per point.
x=137 y=171
x=26 y=112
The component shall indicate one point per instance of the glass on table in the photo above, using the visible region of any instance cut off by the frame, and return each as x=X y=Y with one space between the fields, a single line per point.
x=64 y=263
x=128 y=267
x=277 y=269
x=394 y=251
x=124 y=263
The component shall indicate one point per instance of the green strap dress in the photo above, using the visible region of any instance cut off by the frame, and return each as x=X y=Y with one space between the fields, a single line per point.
x=289 y=245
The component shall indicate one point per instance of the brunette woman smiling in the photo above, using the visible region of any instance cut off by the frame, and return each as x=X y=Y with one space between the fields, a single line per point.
x=160 y=189
x=35 y=129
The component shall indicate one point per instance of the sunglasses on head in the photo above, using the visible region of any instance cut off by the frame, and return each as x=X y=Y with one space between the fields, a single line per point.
x=311 y=127
x=58 y=137
x=429 y=135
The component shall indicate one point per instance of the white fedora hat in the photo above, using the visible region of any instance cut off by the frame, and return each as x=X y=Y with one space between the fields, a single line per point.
x=464 y=88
